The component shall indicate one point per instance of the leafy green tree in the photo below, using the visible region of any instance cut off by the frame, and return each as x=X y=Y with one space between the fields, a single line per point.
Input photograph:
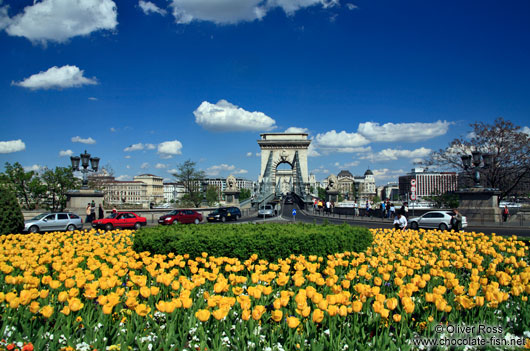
x=321 y=193
x=191 y=179
x=376 y=199
x=244 y=194
x=27 y=186
x=212 y=195
x=58 y=182
x=11 y=219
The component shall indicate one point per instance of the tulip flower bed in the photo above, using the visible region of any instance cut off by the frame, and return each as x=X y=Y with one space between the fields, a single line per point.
x=92 y=291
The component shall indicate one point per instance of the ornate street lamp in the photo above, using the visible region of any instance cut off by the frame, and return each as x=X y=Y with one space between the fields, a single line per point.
x=84 y=160
x=475 y=159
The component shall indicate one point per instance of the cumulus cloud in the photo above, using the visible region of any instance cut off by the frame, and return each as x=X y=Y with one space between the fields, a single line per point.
x=148 y=7
x=7 y=147
x=160 y=166
x=34 y=168
x=224 y=117
x=60 y=20
x=93 y=98
x=410 y=132
x=128 y=156
x=320 y=169
x=387 y=175
x=258 y=154
x=139 y=146
x=68 y=152
x=123 y=177
x=57 y=78
x=296 y=130
x=144 y=165
x=249 y=154
x=112 y=129
x=312 y=151
x=169 y=148
x=340 y=142
x=4 y=17
x=222 y=168
x=394 y=154
x=525 y=130
x=351 y=6
x=172 y=170
x=346 y=165
x=234 y=11
x=78 y=139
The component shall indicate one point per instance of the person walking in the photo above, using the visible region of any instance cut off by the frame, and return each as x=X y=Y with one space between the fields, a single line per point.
x=392 y=212
x=368 y=208
x=93 y=210
x=383 y=209
x=405 y=209
x=456 y=221
x=328 y=206
x=355 y=209
x=88 y=213
x=505 y=214
x=101 y=212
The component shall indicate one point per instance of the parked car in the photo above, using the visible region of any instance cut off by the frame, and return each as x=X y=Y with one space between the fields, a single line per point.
x=53 y=221
x=223 y=214
x=435 y=219
x=288 y=200
x=120 y=220
x=266 y=211
x=162 y=206
x=180 y=216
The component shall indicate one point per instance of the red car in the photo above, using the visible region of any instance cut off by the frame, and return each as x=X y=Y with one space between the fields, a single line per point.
x=181 y=216
x=120 y=220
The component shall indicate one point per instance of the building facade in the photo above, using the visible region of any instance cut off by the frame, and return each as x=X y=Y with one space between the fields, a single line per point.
x=427 y=183
x=155 y=187
x=358 y=188
x=173 y=191
x=120 y=192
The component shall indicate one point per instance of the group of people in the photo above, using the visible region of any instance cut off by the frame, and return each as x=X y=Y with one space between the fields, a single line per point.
x=91 y=212
x=319 y=205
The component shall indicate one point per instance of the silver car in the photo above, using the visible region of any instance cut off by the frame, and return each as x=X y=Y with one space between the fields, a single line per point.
x=53 y=221
x=435 y=219
x=265 y=211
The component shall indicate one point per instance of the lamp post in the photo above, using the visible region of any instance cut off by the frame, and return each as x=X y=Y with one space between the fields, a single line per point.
x=84 y=159
x=204 y=188
x=475 y=159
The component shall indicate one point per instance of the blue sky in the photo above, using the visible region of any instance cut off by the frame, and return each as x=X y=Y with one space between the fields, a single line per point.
x=147 y=85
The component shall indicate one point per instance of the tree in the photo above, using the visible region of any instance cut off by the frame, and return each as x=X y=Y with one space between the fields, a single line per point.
x=27 y=186
x=99 y=179
x=11 y=218
x=353 y=191
x=212 y=195
x=509 y=147
x=58 y=182
x=376 y=199
x=191 y=180
x=244 y=194
x=321 y=193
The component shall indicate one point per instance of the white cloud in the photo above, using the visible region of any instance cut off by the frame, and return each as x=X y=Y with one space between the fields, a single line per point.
x=134 y=147
x=224 y=116
x=346 y=165
x=112 y=129
x=78 y=139
x=172 y=170
x=128 y=167
x=410 y=132
x=144 y=165
x=525 y=130
x=169 y=148
x=60 y=20
x=241 y=171
x=387 y=175
x=57 y=78
x=148 y=7
x=34 y=168
x=258 y=154
x=340 y=142
x=128 y=156
x=7 y=147
x=222 y=168
x=93 y=98
x=249 y=154
x=4 y=17
x=312 y=151
x=351 y=6
x=234 y=11
x=160 y=166
x=320 y=169
x=394 y=154
x=123 y=177
x=296 y=130
x=68 y=152
x=150 y=146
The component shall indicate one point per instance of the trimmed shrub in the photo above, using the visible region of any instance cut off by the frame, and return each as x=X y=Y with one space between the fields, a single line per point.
x=269 y=241
x=11 y=218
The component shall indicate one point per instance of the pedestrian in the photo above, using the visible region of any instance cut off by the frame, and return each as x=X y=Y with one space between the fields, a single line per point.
x=505 y=214
x=392 y=212
x=101 y=213
x=368 y=208
x=114 y=210
x=383 y=209
x=355 y=208
x=400 y=222
x=93 y=210
x=88 y=213
x=405 y=209
x=456 y=221
x=320 y=205
x=328 y=206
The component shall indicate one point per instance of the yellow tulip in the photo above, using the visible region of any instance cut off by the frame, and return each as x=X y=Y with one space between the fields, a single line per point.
x=142 y=310
x=107 y=309
x=318 y=315
x=202 y=315
x=46 y=311
x=276 y=315
x=34 y=307
x=293 y=322
x=397 y=318
x=65 y=310
x=357 y=306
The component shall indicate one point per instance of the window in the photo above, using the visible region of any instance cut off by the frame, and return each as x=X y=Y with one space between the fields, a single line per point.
x=50 y=217
x=73 y=216
x=62 y=216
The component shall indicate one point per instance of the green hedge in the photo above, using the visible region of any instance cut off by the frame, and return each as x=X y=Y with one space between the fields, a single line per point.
x=269 y=241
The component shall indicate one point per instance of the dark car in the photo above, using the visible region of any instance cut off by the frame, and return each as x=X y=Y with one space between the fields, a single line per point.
x=288 y=200
x=120 y=220
x=224 y=214
x=180 y=216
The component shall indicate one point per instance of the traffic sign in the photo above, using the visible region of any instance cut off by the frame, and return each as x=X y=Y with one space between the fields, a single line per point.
x=294 y=211
x=413 y=188
x=413 y=196
x=413 y=182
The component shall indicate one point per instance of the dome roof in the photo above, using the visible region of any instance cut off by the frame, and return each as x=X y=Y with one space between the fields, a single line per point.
x=344 y=173
x=368 y=172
